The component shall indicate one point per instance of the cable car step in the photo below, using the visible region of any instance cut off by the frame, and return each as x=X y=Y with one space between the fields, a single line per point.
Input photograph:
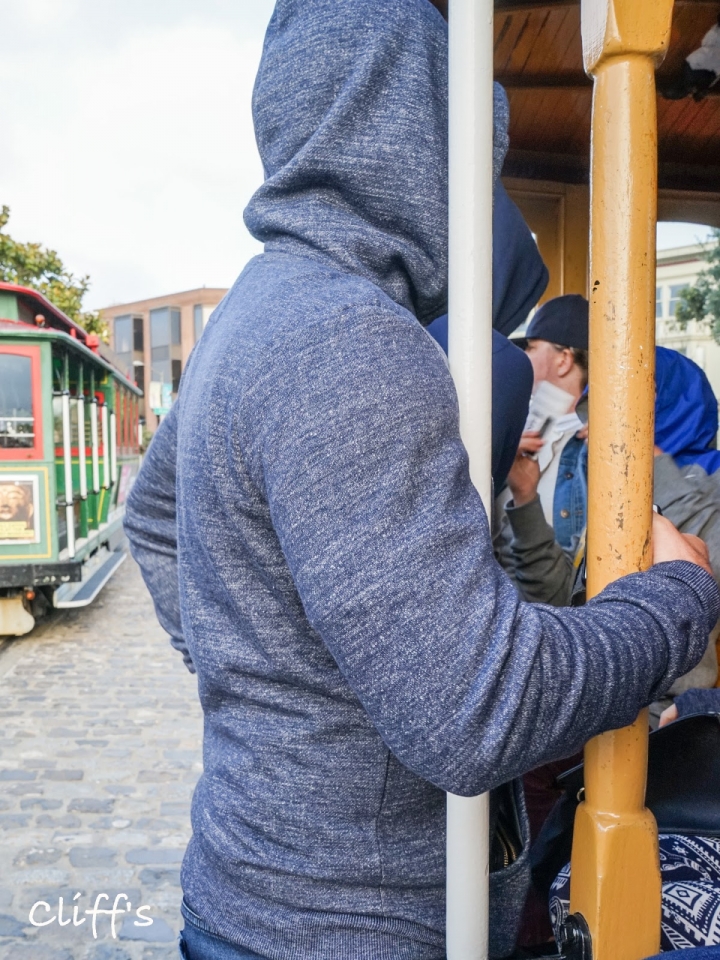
x=96 y=573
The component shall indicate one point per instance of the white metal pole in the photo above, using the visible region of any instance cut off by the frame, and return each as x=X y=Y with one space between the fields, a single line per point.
x=113 y=448
x=470 y=356
x=67 y=473
x=106 y=445
x=82 y=460
x=94 y=445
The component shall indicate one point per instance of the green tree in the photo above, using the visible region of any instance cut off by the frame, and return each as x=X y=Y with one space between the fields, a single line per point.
x=701 y=301
x=32 y=265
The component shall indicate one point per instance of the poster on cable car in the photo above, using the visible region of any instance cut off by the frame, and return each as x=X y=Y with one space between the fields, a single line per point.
x=19 y=513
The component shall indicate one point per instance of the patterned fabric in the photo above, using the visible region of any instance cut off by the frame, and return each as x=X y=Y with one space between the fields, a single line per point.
x=690 y=868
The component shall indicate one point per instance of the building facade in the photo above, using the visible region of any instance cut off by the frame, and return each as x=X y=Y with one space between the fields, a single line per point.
x=678 y=268
x=153 y=339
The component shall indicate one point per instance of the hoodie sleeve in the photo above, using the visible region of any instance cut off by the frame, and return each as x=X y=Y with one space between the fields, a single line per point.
x=389 y=548
x=151 y=527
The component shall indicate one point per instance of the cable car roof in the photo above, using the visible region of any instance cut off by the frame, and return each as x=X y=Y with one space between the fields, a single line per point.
x=538 y=59
x=36 y=303
x=58 y=327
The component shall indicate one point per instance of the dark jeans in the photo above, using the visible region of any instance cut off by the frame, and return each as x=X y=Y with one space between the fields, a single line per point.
x=197 y=944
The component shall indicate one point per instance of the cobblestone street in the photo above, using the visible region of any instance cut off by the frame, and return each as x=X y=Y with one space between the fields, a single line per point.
x=100 y=736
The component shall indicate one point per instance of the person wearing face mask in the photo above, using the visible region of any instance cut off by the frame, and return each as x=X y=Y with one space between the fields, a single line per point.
x=547 y=484
x=686 y=489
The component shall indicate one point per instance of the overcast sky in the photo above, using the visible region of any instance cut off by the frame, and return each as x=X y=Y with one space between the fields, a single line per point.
x=127 y=142
x=126 y=139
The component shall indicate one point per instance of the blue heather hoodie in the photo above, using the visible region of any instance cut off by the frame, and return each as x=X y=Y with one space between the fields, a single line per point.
x=358 y=650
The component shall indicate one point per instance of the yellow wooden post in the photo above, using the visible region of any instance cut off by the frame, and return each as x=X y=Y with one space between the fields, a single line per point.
x=615 y=868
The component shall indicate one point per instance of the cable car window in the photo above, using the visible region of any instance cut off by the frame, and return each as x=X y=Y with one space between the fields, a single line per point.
x=74 y=433
x=57 y=423
x=17 y=423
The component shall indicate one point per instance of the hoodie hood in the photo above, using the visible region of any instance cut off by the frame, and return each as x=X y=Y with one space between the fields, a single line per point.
x=520 y=277
x=686 y=411
x=519 y=274
x=351 y=118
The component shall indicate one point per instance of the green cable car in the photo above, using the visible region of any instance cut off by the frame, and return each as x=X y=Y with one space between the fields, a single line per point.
x=69 y=453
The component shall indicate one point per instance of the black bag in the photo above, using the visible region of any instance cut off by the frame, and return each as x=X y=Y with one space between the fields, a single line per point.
x=683 y=793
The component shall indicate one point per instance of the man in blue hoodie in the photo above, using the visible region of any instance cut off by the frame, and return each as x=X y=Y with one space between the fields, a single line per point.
x=519 y=280
x=357 y=648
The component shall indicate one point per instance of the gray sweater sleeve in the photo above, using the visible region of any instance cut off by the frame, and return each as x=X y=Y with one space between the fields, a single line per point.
x=390 y=551
x=691 y=499
x=542 y=570
x=688 y=497
x=151 y=527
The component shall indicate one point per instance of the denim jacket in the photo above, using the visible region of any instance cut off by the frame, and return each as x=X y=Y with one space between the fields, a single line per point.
x=570 y=500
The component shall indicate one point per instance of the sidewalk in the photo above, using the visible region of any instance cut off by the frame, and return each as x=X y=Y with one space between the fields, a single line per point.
x=100 y=749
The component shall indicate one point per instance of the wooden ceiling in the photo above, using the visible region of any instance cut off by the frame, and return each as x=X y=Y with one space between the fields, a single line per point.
x=538 y=59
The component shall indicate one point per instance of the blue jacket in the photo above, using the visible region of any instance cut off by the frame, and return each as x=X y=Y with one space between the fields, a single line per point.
x=358 y=650
x=519 y=280
x=686 y=411
x=512 y=381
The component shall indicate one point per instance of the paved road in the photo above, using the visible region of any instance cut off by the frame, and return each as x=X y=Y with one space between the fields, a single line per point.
x=99 y=753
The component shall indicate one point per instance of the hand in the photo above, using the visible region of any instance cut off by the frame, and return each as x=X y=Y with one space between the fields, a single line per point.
x=670 y=544
x=657 y=452
x=530 y=442
x=523 y=479
x=668 y=715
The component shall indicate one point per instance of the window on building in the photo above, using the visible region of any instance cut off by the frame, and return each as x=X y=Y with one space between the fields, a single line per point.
x=658 y=302
x=123 y=331
x=138 y=335
x=160 y=344
x=124 y=337
x=160 y=328
x=198 y=321
x=675 y=297
x=165 y=345
x=139 y=375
